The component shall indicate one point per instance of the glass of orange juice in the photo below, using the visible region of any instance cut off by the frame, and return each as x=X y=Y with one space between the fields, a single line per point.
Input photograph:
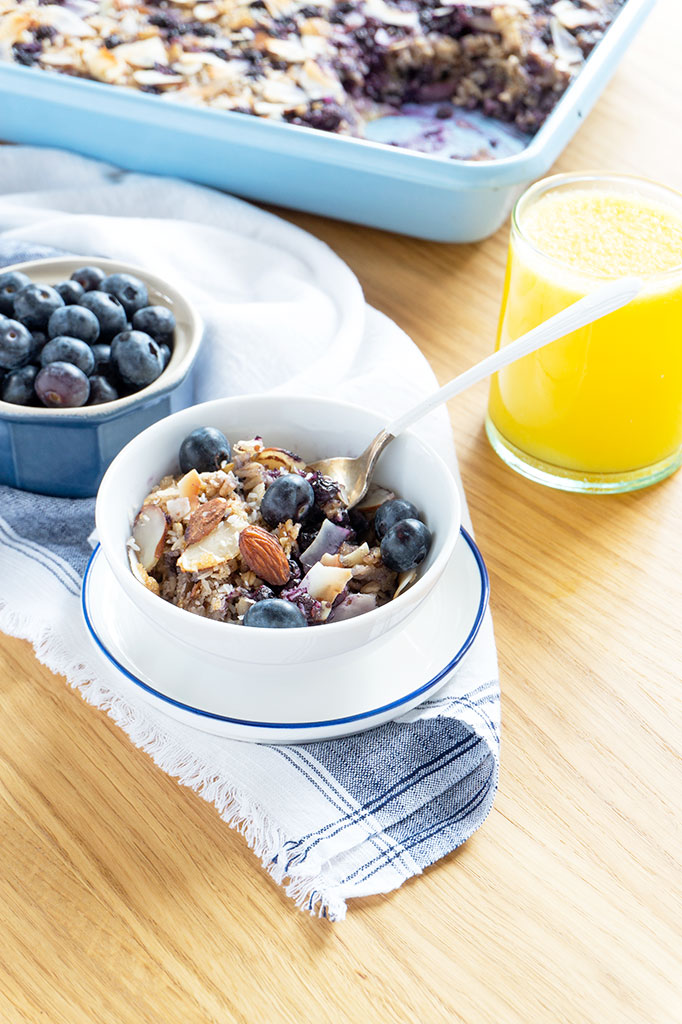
x=600 y=410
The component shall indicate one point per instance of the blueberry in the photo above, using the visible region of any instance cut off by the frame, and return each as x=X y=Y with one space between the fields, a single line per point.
x=62 y=385
x=11 y=282
x=102 y=354
x=275 y=614
x=63 y=349
x=155 y=320
x=89 y=278
x=74 y=321
x=70 y=291
x=136 y=358
x=391 y=512
x=165 y=355
x=405 y=545
x=101 y=390
x=287 y=497
x=129 y=290
x=205 y=449
x=17 y=387
x=109 y=312
x=35 y=304
x=39 y=341
x=16 y=344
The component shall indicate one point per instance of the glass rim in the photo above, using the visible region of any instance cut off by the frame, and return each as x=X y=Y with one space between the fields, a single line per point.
x=575 y=177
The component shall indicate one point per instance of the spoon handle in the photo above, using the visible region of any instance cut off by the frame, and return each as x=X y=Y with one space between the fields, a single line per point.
x=594 y=306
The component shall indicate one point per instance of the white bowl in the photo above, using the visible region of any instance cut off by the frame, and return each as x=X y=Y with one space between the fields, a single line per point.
x=314 y=428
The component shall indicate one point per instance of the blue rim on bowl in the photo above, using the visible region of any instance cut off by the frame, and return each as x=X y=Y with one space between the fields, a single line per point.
x=423 y=689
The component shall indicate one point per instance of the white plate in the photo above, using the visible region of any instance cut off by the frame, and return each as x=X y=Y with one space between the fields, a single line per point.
x=296 y=703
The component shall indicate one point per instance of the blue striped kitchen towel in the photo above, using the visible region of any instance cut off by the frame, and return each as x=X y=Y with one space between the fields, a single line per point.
x=330 y=820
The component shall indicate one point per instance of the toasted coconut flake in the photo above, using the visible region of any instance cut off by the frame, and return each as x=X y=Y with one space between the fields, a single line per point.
x=191 y=486
x=405 y=580
x=141 y=574
x=325 y=582
x=277 y=458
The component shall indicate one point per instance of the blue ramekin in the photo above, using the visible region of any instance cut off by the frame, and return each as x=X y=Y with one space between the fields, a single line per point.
x=65 y=452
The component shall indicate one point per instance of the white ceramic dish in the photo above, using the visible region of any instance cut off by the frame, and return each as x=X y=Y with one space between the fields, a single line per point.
x=295 y=703
x=314 y=428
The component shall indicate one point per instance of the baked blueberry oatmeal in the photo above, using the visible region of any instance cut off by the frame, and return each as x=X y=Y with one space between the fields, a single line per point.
x=333 y=65
x=250 y=534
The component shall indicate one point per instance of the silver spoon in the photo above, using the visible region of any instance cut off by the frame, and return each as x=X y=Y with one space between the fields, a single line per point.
x=354 y=474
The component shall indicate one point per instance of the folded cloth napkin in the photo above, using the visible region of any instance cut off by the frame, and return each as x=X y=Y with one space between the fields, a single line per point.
x=344 y=818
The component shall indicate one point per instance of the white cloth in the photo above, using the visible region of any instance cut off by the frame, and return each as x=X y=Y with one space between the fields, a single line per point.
x=282 y=311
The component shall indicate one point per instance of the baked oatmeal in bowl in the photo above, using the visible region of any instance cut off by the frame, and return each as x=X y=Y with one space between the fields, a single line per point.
x=211 y=529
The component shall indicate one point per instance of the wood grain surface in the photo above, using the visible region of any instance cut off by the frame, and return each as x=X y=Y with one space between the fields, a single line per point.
x=125 y=900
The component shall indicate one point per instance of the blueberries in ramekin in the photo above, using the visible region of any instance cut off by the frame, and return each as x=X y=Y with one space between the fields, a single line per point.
x=63 y=349
x=70 y=291
x=62 y=386
x=71 y=344
x=35 y=304
x=129 y=290
x=11 y=282
x=17 y=386
x=205 y=450
x=136 y=358
x=157 y=321
x=75 y=322
x=110 y=314
x=89 y=278
x=16 y=344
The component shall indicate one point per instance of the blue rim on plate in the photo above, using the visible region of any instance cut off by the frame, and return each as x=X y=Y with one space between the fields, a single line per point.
x=482 y=605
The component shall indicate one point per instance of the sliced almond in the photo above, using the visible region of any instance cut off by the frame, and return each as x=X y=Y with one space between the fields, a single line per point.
x=263 y=554
x=219 y=546
x=405 y=580
x=204 y=520
x=149 y=533
x=355 y=557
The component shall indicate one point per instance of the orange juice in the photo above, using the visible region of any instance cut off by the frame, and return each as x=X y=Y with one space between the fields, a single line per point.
x=601 y=406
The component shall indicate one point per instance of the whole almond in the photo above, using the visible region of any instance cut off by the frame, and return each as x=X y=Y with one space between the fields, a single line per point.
x=204 y=519
x=263 y=555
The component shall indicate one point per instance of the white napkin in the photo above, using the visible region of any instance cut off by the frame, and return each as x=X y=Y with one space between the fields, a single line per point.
x=329 y=820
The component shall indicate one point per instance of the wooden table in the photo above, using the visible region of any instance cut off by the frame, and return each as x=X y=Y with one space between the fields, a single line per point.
x=126 y=900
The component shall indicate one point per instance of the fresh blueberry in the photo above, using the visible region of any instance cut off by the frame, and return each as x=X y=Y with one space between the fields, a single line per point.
x=39 y=341
x=165 y=355
x=16 y=344
x=11 y=282
x=275 y=614
x=205 y=449
x=62 y=385
x=63 y=349
x=35 y=304
x=136 y=358
x=89 y=278
x=74 y=321
x=157 y=321
x=109 y=312
x=391 y=512
x=70 y=291
x=17 y=387
x=101 y=390
x=287 y=497
x=129 y=290
x=102 y=354
x=405 y=545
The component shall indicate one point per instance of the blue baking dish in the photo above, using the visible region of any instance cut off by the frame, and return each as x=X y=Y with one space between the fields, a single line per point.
x=365 y=182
